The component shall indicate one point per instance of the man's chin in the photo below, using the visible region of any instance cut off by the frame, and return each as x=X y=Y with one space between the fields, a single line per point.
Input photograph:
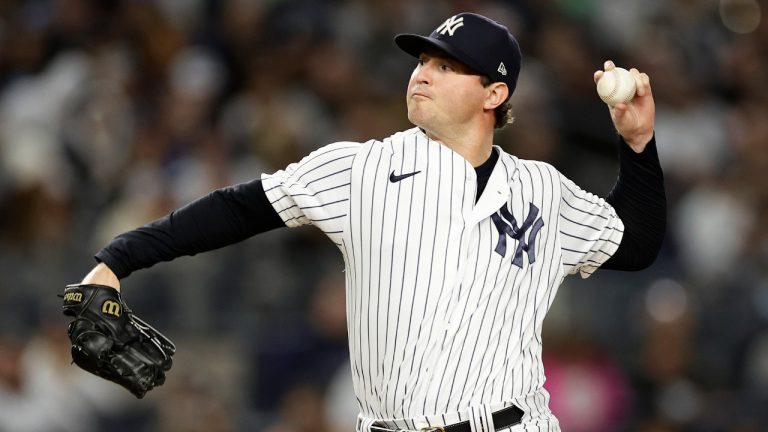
x=418 y=120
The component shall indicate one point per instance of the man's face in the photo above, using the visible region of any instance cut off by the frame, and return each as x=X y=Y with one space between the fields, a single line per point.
x=443 y=94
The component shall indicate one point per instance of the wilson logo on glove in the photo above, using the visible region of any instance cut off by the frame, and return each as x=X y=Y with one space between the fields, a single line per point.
x=111 y=308
x=73 y=297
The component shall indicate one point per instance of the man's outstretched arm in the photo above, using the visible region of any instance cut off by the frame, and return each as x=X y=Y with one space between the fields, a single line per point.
x=223 y=217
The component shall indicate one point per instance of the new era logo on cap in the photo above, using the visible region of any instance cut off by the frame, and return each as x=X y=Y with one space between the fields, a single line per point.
x=482 y=44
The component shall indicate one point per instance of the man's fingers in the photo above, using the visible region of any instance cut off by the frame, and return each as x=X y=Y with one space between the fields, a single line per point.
x=619 y=110
x=642 y=82
x=608 y=65
x=646 y=80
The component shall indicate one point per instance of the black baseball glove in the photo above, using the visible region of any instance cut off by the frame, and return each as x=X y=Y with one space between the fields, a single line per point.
x=108 y=340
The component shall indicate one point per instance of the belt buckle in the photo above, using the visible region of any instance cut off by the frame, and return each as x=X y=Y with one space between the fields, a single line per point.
x=432 y=429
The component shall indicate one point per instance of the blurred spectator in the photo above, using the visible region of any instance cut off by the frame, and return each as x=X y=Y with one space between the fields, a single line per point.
x=40 y=390
x=202 y=394
x=587 y=390
x=301 y=410
x=341 y=407
x=304 y=350
x=713 y=224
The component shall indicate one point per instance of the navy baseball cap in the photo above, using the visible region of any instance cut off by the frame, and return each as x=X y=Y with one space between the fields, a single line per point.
x=482 y=44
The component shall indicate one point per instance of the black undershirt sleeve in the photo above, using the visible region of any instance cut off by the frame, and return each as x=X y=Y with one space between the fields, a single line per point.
x=223 y=217
x=640 y=201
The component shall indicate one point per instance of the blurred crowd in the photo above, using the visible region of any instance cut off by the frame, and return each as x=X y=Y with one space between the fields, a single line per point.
x=115 y=112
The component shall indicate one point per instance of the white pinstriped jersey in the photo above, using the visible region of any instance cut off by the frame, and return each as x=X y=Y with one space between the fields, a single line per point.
x=445 y=295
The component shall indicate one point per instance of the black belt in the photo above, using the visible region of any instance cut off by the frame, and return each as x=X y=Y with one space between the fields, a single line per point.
x=503 y=418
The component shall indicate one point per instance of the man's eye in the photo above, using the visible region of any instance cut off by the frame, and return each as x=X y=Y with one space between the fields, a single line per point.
x=446 y=67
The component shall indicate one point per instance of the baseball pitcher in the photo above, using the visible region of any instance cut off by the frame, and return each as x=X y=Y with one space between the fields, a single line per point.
x=454 y=249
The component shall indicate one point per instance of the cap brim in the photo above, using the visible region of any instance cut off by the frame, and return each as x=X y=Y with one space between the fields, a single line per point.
x=415 y=45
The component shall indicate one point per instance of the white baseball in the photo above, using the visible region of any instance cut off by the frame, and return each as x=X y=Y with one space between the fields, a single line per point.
x=615 y=86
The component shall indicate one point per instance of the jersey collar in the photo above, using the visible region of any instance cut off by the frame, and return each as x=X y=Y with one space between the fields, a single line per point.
x=499 y=188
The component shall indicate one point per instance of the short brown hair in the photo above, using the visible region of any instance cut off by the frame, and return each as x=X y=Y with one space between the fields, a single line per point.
x=503 y=112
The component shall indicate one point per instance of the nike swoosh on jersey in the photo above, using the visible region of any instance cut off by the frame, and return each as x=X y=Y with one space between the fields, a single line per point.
x=396 y=178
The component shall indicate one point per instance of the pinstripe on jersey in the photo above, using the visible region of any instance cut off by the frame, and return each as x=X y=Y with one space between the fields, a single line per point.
x=440 y=320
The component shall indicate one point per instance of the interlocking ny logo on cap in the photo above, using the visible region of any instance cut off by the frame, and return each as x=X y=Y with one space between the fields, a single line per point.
x=450 y=25
x=502 y=69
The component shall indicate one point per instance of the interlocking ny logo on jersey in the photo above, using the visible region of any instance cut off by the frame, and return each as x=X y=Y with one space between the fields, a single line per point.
x=507 y=226
x=450 y=25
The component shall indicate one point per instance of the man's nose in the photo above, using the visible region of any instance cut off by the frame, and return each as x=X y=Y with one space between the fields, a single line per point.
x=423 y=74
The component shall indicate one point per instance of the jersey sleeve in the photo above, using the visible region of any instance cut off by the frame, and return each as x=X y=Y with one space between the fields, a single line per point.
x=590 y=229
x=314 y=190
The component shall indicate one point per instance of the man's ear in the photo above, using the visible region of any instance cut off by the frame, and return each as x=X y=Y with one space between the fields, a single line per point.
x=496 y=95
